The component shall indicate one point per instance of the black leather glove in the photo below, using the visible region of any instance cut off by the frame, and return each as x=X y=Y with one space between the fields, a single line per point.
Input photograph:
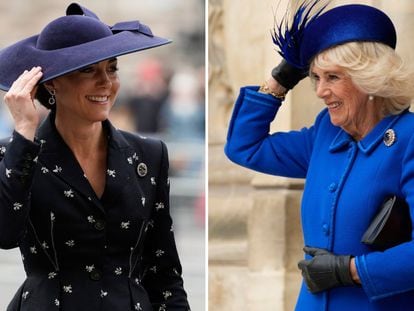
x=325 y=270
x=287 y=75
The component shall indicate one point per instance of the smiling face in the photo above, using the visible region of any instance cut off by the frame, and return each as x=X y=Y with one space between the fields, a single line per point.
x=88 y=94
x=349 y=107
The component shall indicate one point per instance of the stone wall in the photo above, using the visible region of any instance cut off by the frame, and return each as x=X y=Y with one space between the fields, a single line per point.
x=255 y=238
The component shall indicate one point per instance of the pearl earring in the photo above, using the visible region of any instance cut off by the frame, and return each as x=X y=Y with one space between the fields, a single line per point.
x=371 y=97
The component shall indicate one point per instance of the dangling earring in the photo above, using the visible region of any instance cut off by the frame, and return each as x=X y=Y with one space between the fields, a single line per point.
x=371 y=97
x=52 y=99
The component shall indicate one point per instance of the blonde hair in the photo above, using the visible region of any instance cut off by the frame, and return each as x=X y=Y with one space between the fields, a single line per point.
x=376 y=69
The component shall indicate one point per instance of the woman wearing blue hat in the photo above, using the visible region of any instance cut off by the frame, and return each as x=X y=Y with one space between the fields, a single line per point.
x=358 y=153
x=87 y=204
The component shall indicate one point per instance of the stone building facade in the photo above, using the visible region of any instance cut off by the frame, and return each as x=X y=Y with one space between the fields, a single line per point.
x=255 y=240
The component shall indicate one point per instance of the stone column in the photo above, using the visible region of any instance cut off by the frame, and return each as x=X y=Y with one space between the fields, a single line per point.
x=274 y=242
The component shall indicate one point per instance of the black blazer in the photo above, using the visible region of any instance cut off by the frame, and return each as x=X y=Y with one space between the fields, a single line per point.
x=81 y=252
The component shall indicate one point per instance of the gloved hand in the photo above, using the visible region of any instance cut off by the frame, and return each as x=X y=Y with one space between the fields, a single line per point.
x=287 y=75
x=325 y=270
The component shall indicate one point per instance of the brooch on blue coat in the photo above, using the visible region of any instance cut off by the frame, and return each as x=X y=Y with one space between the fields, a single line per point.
x=389 y=137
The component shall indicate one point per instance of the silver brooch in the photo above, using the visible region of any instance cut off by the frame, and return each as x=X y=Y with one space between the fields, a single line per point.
x=142 y=169
x=389 y=137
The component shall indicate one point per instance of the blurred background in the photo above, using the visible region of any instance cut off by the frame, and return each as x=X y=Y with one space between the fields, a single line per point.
x=162 y=95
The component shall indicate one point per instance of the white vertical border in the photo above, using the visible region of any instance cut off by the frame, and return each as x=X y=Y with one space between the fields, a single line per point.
x=206 y=68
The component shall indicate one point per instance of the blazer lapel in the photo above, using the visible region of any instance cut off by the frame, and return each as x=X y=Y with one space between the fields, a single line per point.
x=57 y=158
x=122 y=162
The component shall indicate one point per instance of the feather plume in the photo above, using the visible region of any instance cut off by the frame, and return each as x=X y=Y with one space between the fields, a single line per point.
x=288 y=38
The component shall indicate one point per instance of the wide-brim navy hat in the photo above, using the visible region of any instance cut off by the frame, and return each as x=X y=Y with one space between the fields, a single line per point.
x=72 y=42
x=313 y=31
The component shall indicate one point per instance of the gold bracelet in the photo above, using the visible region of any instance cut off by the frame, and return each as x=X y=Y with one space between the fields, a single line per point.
x=264 y=88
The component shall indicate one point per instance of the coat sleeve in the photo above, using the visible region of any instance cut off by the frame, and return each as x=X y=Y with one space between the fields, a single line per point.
x=249 y=143
x=163 y=281
x=17 y=167
x=384 y=274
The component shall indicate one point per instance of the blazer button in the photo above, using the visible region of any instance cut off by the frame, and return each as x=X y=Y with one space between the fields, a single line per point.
x=100 y=224
x=95 y=275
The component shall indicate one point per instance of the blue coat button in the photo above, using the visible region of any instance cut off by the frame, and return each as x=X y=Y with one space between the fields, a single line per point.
x=332 y=187
x=325 y=229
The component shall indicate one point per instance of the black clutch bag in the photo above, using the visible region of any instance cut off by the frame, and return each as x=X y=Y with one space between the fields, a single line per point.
x=390 y=227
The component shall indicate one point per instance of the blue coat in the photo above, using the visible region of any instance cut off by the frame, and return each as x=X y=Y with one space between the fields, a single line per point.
x=81 y=252
x=346 y=182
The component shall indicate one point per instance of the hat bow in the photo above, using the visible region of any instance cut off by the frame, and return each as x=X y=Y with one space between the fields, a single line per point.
x=132 y=26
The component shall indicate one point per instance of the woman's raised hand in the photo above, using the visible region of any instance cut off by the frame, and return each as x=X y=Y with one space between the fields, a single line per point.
x=20 y=101
x=288 y=75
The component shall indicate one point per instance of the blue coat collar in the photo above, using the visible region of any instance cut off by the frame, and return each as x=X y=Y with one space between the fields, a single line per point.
x=370 y=141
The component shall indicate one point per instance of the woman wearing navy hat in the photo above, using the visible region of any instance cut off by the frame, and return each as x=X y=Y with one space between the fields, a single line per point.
x=87 y=204
x=358 y=153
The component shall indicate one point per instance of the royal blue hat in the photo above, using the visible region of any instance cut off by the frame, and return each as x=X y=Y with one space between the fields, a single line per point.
x=311 y=33
x=71 y=42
